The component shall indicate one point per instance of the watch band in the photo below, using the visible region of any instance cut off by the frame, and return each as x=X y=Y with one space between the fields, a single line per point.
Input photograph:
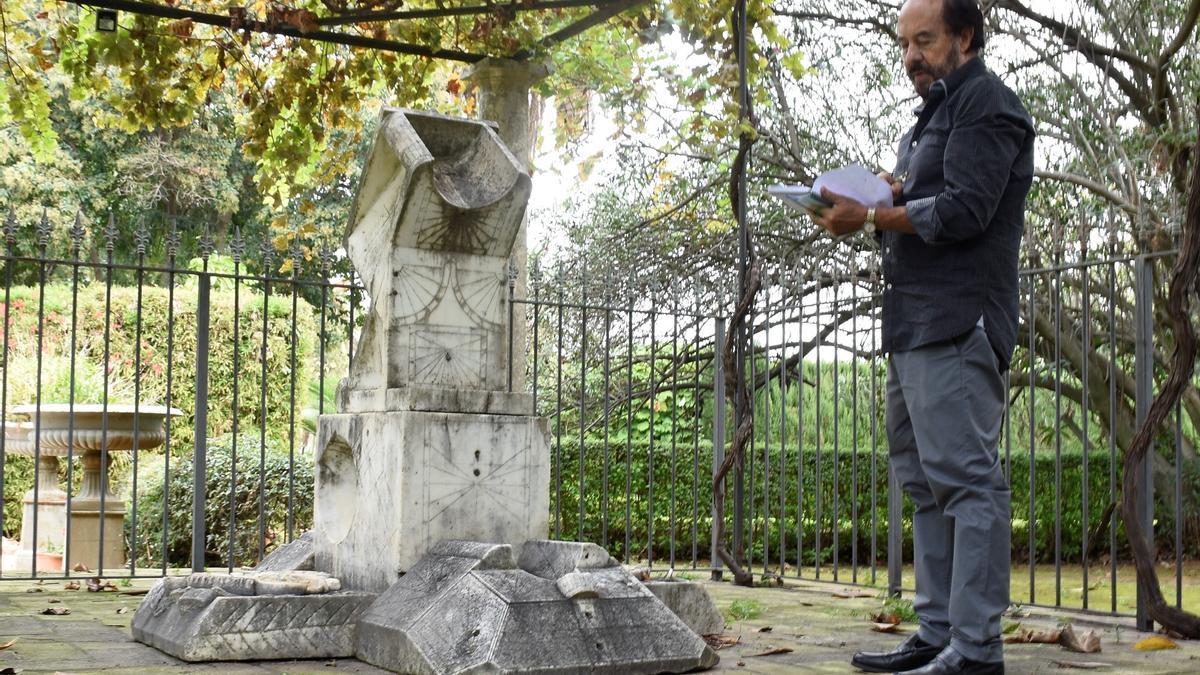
x=869 y=224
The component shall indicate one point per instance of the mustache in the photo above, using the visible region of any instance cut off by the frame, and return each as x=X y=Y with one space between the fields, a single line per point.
x=919 y=68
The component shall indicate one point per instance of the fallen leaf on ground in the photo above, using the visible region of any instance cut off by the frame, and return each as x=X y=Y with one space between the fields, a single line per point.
x=719 y=641
x=741 y=663
x=765 y=629
x=1087 y=642
x=853 y=593
x=35 y=590
x=1009 y=627
x=71 y=585
x=1082 y=665
x=136 y=591
x=1156 y=642
x=122 y=610
x=1034 y=635
x=80 y=567
x=880 y=627
x=9 y=671
x=56 y=611
x=8 y=644
x=109 y=587
x=54 y=601
x=774 y=651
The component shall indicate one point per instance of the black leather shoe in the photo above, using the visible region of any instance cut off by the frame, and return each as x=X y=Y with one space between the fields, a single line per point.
x=950 y=662
x=912 y=653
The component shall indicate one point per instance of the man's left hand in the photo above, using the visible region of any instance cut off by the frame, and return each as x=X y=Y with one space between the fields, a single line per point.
x=843 y=217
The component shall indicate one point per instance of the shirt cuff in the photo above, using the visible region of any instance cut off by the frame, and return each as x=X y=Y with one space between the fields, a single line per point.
x=921 y=215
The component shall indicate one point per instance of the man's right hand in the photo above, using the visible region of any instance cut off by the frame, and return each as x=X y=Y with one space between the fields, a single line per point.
x=897 y=186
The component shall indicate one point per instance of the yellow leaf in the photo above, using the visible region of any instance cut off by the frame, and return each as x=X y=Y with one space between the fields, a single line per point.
x=1156 y=642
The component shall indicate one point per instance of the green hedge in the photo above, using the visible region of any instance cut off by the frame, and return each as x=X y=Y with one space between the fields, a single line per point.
x=255 y=470
x=566 y=503
x=126 y=377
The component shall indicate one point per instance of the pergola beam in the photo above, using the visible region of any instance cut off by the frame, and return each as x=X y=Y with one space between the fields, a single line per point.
x=226 y=22
x=439 y=12
x=594 y=19
x=605 y=10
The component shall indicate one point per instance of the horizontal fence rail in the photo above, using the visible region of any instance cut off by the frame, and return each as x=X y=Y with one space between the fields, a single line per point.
x=248 y=348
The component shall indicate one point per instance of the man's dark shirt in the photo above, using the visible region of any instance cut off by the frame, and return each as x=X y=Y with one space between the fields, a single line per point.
x=969 y=165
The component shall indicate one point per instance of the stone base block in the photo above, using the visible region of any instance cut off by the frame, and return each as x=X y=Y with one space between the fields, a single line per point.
x=390 y=485
x=467 y=607
x=210 y=617
x=85 y=537
x=691 y=603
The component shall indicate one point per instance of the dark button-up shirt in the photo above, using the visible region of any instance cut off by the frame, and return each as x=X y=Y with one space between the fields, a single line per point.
x=967 y=165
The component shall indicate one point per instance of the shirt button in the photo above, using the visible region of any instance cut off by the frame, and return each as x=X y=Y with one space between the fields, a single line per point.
x=913 y=144
x=888 y=250
x=889 y=287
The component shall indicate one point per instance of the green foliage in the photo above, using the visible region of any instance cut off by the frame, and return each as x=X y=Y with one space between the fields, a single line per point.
x=145 y=362
x=899 y=607
x=744 y=609
x=671 y=513
x=258 y=472
x=142 y=374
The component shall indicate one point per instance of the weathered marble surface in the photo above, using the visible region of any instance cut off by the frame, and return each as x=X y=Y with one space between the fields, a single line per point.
x=390 y=485
x=276 y=615
x=294 y=555
x=467 y=607
x=433 y=224
x=690 y=601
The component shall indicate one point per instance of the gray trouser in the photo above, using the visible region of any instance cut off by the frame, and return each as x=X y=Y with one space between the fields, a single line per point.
x=945 y=404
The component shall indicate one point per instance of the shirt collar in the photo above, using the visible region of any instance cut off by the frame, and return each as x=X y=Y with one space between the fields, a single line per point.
x=942 y=88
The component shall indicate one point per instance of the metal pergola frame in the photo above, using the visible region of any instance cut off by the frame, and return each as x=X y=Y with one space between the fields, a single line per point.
x=603 y=11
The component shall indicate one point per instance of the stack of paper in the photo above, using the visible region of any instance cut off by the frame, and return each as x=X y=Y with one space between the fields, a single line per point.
x=854 y=181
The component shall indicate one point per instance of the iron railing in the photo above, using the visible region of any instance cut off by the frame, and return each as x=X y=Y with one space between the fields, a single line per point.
x=634 y=393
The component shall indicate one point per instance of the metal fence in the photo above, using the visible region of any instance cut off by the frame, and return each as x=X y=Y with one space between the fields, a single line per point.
x=635 y=399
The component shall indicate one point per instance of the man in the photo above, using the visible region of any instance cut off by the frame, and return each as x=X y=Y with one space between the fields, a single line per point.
x=949 y=323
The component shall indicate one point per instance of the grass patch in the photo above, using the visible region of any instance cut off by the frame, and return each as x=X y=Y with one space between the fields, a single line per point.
x=901 y=608
x=744 y=609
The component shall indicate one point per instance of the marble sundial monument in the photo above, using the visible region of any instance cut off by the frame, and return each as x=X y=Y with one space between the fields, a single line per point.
x=428 y=552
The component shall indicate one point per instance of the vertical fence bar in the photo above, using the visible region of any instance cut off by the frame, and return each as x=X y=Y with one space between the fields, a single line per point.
x=77 y=234
x=267 y=249
x=1143 y=309
x=783 y=429
x=1178 y=505
x=606 y=402
x=650 y=452
x=1085 y=338
x=1031 y=392
x=674 y=418
x=583 y=329
x=1058 y=309
x=817 y=487
x=141 y=237
x=172 y=250
x=718 y=439
x=200 y=447
x=696 y=405
x=766 y=429
x=110 y=236
x=237 y=353
x=1112 y=433
x=43 y=236
x=629 y=427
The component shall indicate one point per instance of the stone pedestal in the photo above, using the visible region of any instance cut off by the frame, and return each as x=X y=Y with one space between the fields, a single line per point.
x=390 y=485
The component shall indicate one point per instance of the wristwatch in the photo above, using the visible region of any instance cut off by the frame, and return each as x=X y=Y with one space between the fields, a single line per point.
x=869 y=223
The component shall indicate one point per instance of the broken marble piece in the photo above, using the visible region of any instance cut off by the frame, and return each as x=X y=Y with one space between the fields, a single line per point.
x=690 y=602
x=237 y=617
x=466 y=607
x=297 y=554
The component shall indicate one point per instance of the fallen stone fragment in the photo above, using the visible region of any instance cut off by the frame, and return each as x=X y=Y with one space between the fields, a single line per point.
x=1082 y=665
x=56 y=611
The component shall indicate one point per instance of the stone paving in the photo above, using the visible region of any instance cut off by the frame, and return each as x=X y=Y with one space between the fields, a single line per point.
x=820 y=630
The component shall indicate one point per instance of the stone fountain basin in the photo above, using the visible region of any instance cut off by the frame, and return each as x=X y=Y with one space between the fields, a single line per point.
x=61 y=426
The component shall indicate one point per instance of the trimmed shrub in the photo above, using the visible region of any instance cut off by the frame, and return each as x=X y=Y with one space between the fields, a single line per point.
x=689 y=493
x=138 y=370
x=260 y=475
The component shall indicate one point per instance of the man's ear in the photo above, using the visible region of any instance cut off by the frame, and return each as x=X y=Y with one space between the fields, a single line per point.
x=964 y=40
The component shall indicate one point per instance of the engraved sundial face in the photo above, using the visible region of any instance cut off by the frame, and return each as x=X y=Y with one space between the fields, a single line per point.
x=448 y=356
x=416 y=290
x=465 y=477
x=482 y=295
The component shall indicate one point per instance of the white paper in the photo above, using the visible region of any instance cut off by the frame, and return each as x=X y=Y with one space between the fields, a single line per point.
x=858 y=183
x=854 y=181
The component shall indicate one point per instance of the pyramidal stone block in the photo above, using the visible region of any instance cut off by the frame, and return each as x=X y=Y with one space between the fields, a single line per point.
x=562 y=608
